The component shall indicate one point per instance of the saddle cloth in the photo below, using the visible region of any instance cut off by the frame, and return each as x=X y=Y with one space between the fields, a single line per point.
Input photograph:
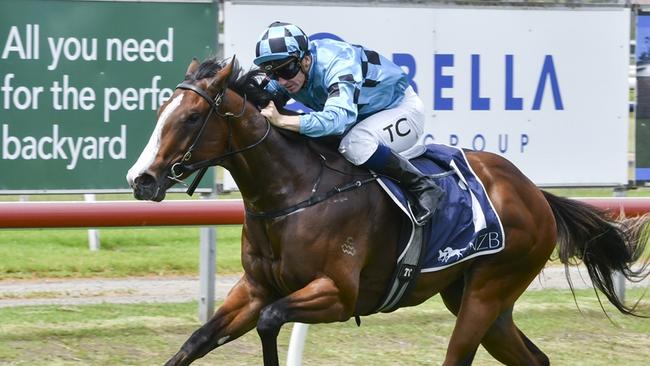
x=465 y=225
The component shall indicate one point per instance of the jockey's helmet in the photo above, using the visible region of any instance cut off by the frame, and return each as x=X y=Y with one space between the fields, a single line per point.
x=280 y=41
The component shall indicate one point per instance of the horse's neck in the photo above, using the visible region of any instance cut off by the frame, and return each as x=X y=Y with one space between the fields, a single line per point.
x=277 y=172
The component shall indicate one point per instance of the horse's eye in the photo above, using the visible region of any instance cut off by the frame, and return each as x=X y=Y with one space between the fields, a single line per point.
x=194 y=117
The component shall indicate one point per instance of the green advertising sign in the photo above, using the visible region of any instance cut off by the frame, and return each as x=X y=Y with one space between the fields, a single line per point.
x=80 y=83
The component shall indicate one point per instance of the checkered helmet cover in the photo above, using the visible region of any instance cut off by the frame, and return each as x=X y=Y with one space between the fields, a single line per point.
x=280 y=40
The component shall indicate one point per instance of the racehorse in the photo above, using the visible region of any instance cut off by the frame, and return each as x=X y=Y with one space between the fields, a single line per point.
x=311 y=257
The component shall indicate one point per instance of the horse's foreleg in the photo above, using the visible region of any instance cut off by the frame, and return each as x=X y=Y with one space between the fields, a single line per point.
x=318 y=302
x=234 y=318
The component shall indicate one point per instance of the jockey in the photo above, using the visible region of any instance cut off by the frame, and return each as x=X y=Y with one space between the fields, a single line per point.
x=356 y=93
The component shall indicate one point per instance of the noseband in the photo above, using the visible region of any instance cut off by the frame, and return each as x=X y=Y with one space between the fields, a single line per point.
x=179 y=168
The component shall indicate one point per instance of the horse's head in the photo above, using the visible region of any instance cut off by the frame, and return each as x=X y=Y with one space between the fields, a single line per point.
x=179 y=144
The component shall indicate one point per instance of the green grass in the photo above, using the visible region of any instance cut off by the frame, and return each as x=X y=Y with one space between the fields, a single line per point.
x=147 y=334
x=597 y=192
x=124 y=252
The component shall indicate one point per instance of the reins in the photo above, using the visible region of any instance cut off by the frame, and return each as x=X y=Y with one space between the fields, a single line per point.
x=316 y=198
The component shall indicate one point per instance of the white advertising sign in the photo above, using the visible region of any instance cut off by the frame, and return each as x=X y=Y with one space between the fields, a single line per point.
x=546 y=88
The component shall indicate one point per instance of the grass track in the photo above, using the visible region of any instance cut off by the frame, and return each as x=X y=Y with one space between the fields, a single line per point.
x=147 y=334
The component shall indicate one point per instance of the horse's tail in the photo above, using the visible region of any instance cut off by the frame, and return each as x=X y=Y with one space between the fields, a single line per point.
x=604 y=245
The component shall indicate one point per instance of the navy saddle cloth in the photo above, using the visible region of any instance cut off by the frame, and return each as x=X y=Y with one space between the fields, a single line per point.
x=465 y=225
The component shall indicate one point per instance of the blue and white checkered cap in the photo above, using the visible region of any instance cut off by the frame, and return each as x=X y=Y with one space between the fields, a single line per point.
x=280 y=40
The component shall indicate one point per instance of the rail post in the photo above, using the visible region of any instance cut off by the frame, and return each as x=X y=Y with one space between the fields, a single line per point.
x=297 y=344
x=207 y=269
x=94 y=242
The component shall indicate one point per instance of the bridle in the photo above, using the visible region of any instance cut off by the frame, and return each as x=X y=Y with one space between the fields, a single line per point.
x=179 y=168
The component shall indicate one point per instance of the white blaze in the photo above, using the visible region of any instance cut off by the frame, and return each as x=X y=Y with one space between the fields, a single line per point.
x=149 y=153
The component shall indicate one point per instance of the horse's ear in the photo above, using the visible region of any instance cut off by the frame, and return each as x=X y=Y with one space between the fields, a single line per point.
x=221 y=79
x=192 y=67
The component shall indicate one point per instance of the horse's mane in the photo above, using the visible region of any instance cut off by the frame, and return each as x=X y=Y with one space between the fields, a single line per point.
x=241 y=82
x=248 y=83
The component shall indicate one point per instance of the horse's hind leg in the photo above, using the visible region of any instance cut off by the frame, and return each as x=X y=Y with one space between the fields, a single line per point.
x=505 y=342
x=452 y=296
x=318 y=302
x=485 y=317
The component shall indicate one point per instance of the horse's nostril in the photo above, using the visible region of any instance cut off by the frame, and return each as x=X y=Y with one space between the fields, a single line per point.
x=145 y=180
x=145 y=187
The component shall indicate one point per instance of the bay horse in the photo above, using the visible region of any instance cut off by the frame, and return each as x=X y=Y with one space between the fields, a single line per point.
x=327 y=260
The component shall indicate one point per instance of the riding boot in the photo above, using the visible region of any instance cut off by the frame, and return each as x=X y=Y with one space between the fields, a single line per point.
x=424 y=189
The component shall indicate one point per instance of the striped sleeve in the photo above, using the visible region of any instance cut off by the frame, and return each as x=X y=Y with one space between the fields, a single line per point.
x=344 y=79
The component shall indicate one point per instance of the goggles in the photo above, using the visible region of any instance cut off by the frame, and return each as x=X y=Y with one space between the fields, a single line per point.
x=285 y=70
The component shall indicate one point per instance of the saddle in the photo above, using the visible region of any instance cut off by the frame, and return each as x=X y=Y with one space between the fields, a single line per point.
x=465 y=226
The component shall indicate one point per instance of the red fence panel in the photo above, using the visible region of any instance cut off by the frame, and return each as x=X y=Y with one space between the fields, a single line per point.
x=203 y=212
x=630 y=206
x=120 y=213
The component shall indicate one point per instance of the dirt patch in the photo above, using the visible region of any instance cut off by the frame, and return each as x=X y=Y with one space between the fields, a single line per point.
x=183 y=289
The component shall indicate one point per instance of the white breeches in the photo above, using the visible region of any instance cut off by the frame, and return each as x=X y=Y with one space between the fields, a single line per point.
x=398 y=128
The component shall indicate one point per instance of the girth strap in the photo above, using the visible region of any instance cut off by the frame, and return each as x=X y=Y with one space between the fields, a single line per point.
x=406 y=272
